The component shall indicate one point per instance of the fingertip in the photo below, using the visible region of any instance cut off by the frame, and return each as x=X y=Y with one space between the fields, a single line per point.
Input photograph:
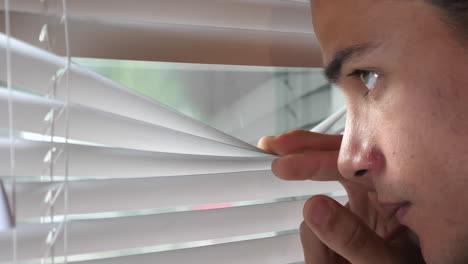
x=343 y=231
x=318 y=210
x=262 y=142
x=265 y=143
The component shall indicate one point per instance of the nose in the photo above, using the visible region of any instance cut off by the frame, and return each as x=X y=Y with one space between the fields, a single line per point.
x=360 y=159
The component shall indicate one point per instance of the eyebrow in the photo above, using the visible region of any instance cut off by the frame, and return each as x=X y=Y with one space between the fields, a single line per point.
x=333 y=70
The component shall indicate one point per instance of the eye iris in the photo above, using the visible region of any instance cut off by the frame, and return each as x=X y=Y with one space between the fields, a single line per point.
x=369 y=78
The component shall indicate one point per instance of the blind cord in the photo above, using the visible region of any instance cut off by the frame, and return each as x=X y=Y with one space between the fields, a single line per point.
x=67 y=128
x=11 y=136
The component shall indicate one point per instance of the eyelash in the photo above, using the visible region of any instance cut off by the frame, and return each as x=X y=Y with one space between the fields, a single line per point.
x=357 y=72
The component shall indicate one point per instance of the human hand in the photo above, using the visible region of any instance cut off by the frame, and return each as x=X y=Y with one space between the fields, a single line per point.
x=362 y=231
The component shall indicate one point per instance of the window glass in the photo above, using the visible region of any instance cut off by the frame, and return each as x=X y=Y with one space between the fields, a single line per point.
x=244 y=101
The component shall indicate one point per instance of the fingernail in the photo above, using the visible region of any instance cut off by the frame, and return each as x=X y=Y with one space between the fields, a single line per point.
x=261 y=142
x=319 y=212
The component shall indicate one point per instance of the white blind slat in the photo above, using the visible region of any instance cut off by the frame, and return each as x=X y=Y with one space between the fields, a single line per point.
x=166 y=193
x=150 y=41
x=101 y=162
x=165 y=180
x=90 y=125
x=91 y=236
x=274 y=247
x=93 y=90
x=270 y=15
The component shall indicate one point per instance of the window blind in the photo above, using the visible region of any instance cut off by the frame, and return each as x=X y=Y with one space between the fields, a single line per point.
x=103 y=174
x=247 y=32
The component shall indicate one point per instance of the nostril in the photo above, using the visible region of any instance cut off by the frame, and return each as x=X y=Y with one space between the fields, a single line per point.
x=360 y=173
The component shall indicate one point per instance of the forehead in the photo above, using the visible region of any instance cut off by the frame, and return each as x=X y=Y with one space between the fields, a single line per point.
x=339 y=24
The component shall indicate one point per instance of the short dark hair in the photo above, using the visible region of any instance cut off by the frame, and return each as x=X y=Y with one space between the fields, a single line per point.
x=455 y=13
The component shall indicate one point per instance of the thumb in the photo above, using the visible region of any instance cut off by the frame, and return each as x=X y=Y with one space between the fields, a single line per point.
x=344 y=232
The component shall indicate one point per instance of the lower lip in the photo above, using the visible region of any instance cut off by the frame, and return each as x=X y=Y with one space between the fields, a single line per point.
x=401 y=212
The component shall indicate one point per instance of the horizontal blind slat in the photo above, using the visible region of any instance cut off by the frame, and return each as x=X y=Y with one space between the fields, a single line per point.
x=165 y=193
x=93 y=90
x=283 y=247
x=106 y=234
x=148 y=41
x=103 y=162
x=271 y=15
x=140 y=231
x=94 y=126
x=276 y=249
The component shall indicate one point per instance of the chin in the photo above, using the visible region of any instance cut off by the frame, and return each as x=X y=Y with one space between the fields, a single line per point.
x=442 y=253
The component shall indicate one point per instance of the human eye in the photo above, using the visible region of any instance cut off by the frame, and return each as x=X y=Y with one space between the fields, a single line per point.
x=368 y=78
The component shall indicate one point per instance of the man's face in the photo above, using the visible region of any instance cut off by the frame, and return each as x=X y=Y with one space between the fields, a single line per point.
x=410 y=130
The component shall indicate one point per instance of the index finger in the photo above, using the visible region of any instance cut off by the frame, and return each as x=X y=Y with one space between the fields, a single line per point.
x=299 y=140
x=308 y=165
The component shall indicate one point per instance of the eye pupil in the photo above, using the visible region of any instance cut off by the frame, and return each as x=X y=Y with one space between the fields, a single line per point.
x=369 y=78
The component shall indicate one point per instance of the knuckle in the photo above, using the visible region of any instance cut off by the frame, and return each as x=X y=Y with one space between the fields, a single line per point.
x=291 y=141
x=293 y=134
x=285 y=137
x=291 y=167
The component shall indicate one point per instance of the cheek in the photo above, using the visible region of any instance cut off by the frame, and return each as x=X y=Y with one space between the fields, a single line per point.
x=426 y=162
x=412 y=123
x=399 y=134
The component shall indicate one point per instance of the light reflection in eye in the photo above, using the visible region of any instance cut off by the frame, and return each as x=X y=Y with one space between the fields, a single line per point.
x=369 y=78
